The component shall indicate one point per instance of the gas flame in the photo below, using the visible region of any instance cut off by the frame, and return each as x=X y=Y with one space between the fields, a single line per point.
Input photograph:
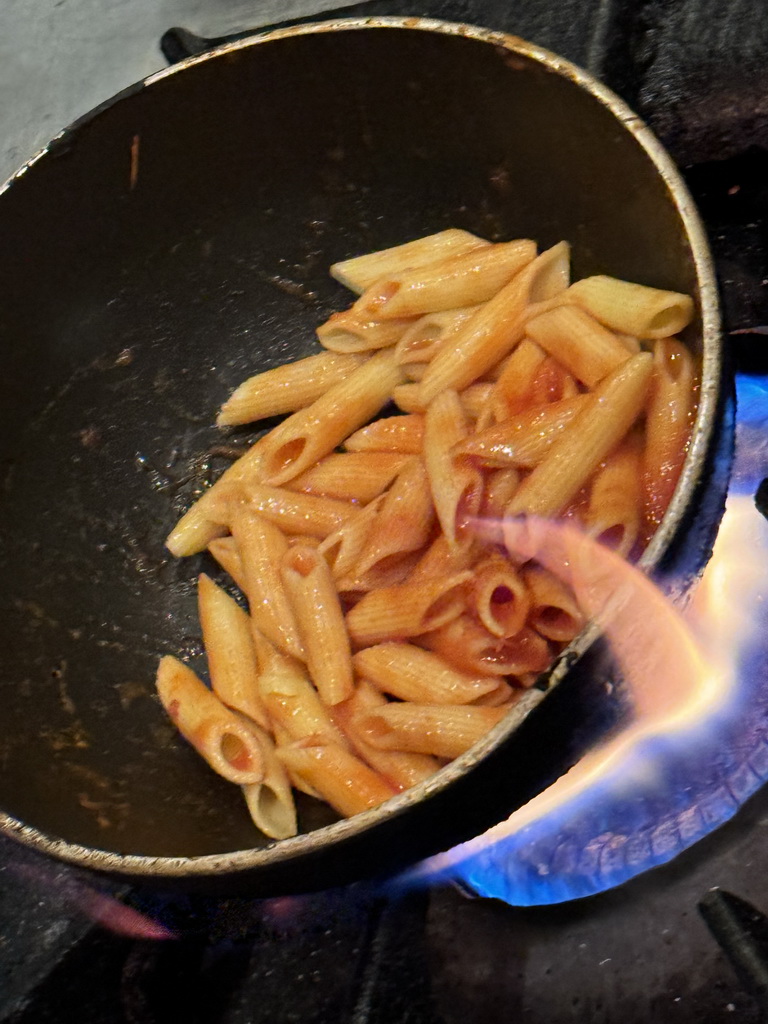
x=697 y=744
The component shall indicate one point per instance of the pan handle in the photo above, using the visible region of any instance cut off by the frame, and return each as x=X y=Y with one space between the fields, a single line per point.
x=179 y=43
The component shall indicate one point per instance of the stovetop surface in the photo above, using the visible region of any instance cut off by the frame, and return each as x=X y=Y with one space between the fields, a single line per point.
x=696 y=70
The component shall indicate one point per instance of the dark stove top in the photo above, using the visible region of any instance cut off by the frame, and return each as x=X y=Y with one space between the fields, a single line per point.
x=696 y=70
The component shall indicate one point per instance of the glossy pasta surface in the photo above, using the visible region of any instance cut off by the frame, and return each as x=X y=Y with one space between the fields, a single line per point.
x=387 y=628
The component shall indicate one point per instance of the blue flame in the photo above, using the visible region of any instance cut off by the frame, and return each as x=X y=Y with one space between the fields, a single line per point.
x=673 y=788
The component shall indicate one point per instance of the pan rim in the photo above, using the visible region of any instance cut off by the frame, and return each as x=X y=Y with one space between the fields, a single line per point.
x=283 y=851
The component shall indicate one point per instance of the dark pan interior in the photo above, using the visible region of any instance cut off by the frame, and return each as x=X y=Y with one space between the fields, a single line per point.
x=130 y=310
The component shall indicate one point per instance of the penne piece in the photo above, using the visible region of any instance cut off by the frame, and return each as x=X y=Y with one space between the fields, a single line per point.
x=270 y=802
x=523 y=440
x=500 y=485
x=291 y=700
x=342 y=779
x=466 y=279
x=361 y=272
x=392 y=434
x=475 y=399
x=305 y=515
x=350 y=476
x=424 y=337
x=582 y=345
x=615 y=511
x=232 y=664
x=315 y=602
x=406 y=609
x=631 y=308
x=443 y=559
x=425 y=729
x=467 y=645
x=224 y=551
x=413 y=674
x=407 y=397
x=262 y=547
x=456 y=484
x=496 y=327
x=600 y=425
x=306 y=436
x=202 y=522
x=404 y=522
x=669 y=421
x=554 y=612
x=512 y=392
x=354 y=330
x=401 y=769
x=216 y=733
x=499 y=596
x=286 y=388
x=343 y=548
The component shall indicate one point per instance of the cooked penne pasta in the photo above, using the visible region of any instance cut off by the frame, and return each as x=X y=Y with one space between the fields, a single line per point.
x=424 y=337
x=291 y=700
x=500 y=485
x=299 y=441
x=512 y=392
x=615 y=511
x=443 y=559
x=355 y=330
x=360 y=272
x=475 y=398
x=413 y=674
x=342 y=779
x=350 y=476
x=470 y=647
x=286 y=388
x=407 y=397
x=405 y=584
x=343 y=548
x=407 y=609
x=633 y=308
x=202 y=522
x=443 y=731
x=466 y=279
x=581 y=344
x=232 y=664
x=554 y=613
x=386 y=573
x=270 y=802
x=600 y=425
x=315 y=602
x=308 y=515
x=262 y=546
x=216 y=733
x=391 y=434
x=224 y=550
x=400 y=768
x=669 y=420
x=496 y=327
x=499 y=596
x=523 y=440
x=503 y=696
x=404 y=521
x=456 y=484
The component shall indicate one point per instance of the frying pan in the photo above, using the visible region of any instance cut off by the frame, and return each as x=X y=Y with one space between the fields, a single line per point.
x=173 y=242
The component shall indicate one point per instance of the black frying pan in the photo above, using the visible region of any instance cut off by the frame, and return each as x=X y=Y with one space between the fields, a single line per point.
x=175 y=241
